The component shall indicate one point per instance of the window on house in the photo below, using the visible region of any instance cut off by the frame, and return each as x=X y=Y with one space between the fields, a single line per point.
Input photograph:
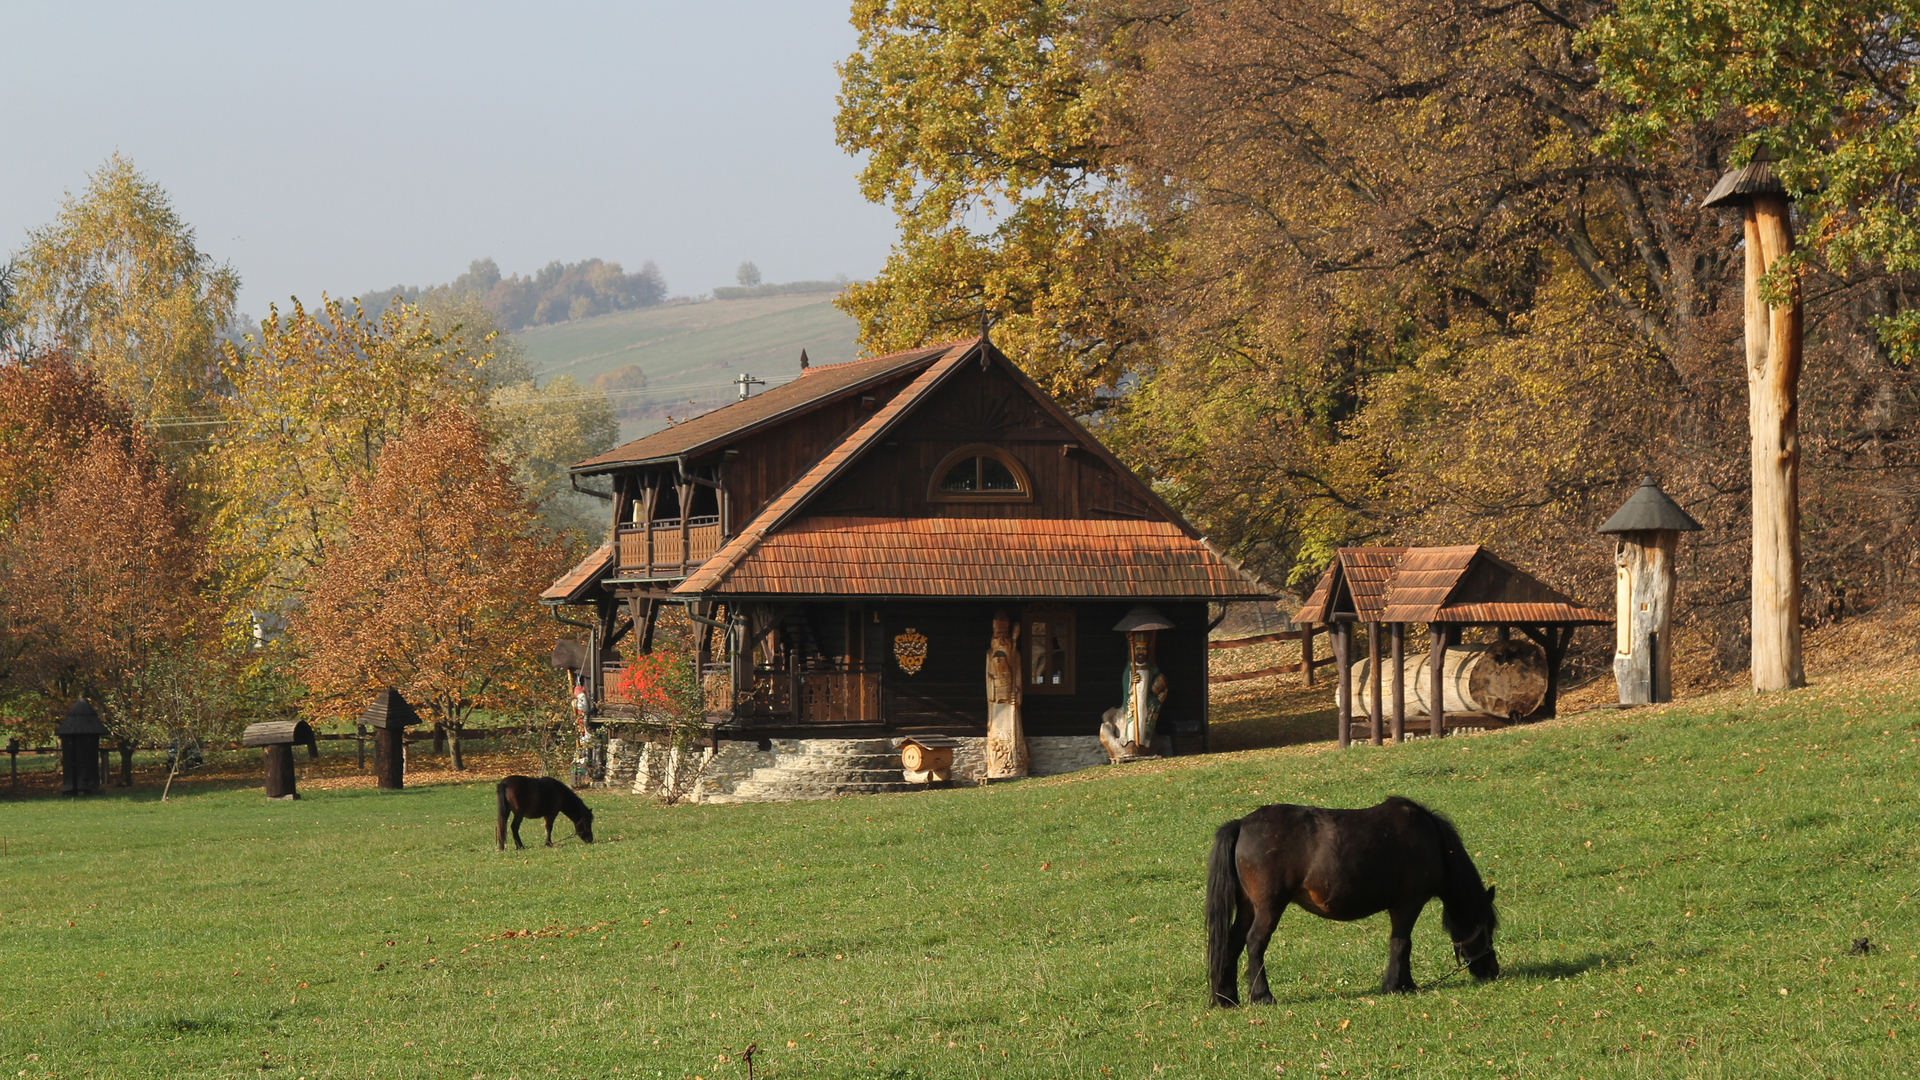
x=984 y=473
x=1047 y=645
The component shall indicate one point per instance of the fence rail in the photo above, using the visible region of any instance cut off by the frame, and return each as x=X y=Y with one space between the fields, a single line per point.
x=1307 y=663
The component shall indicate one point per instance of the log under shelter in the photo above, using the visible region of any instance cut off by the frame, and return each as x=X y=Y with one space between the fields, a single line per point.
x=1456 y=684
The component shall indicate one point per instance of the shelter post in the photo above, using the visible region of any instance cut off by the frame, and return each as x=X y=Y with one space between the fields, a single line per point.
x=1399 y=682
x=1374 y=710
x=1343 y=688
x=1436 y=679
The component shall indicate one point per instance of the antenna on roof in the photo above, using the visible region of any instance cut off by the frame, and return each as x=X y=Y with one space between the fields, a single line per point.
x=803 y=360
x=746 y=383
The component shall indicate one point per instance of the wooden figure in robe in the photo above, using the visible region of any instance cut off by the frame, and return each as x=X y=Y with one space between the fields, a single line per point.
x=1128 y=731
x=1006 y=737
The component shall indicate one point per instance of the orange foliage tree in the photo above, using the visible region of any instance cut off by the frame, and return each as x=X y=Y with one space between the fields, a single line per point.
x=101 y=575
x=49 y=409
x=433 y=590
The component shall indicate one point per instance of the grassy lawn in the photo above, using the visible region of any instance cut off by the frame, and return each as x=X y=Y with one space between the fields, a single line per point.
x=1679 y=892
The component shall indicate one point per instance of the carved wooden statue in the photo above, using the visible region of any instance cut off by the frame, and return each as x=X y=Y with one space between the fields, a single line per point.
x=1128 y=731
x=1006 y=737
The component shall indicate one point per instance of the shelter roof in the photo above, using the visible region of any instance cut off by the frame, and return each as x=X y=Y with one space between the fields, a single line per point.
x=1737 y=187
x=1362 y=574
x=1650 y=510
x=1465 y=584
x=815 y=387
x=573 y=587
x=960 y=557
x=82 y=719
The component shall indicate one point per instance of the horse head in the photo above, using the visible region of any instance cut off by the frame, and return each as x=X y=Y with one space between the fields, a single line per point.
x=1474 y=951
x=583 y=826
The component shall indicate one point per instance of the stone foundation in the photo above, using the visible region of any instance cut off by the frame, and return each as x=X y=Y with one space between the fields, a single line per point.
x=1047 y=755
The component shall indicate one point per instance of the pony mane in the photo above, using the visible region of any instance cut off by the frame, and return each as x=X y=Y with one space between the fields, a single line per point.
x=1464 y=886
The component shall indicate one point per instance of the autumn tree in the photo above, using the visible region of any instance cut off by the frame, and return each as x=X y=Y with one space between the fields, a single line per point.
x=119 y=281
x=100 y=576
x=316 y=397
x=432 y=589
x=50 y=409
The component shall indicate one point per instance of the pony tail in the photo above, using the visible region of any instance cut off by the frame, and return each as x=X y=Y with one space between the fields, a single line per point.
x=1223 y=890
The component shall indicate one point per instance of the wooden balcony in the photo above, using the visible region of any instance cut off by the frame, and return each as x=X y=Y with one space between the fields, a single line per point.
x=659 y=552
x=842 y=694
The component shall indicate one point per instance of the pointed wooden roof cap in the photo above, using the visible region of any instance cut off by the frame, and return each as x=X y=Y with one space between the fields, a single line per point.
x=389 y=710
x=1739 y=186
x=82 y=719
x=1650 y=510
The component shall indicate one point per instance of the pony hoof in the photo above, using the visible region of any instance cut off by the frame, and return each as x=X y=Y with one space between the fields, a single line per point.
x=1263 y=999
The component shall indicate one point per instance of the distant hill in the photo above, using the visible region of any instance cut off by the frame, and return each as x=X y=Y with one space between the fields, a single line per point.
x=692 y=352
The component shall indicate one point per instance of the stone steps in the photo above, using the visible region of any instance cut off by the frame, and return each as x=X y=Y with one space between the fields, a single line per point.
x=824 y=769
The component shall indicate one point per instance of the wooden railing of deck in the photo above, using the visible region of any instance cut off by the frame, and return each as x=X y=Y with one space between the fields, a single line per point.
x=702 y=539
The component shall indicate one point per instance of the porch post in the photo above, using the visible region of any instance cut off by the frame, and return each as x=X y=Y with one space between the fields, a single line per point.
x=1374 y=710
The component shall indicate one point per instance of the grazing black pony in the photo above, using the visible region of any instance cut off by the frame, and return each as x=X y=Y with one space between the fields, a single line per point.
x=1345 y=865
x=525 y=797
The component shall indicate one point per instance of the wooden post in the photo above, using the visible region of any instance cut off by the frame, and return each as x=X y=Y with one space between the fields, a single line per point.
x=1343 y=681
x=1436 y=666
x=1399 y=682
x=360 y=744
x=685 y=491
x=1306 y=651
x=280 y=782
x=1374 y=712
x=390 y=757
x=1643 y=616
x=13 y=755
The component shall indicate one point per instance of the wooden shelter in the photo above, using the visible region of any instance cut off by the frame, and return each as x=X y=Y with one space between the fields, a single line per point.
x=81 y=760
x=846 y=540
x=389 y=715
x=1448 y=589
x=278 y=738
x=1647 y=532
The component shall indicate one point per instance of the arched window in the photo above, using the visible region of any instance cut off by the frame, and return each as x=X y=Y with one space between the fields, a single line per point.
x=980 y=474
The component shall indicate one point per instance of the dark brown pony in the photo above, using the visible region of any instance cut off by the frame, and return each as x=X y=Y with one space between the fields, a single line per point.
x=526 y=797
x=1345 y=865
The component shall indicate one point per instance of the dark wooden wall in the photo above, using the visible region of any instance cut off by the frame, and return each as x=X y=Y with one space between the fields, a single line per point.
x=976 y=406
x=950 y=689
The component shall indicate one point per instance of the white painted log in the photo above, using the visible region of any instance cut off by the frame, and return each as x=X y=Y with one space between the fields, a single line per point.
x=1506 y=679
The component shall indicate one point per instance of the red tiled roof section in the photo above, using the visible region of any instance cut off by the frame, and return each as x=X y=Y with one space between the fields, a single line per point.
x=715 y=569
x=831 y=556
x=814 y=387
x=1467 y=584
x=590 y=569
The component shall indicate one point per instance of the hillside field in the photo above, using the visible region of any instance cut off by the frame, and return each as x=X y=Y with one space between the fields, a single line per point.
x=694 y=351
x=1679 y=891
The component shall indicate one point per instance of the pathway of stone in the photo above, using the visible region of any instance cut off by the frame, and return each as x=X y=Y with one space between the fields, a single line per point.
x=824 y=769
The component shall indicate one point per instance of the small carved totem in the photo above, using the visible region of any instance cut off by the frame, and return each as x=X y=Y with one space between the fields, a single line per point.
x=1006 y=737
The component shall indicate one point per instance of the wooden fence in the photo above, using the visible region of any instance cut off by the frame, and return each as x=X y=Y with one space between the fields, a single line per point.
x=1307 y=663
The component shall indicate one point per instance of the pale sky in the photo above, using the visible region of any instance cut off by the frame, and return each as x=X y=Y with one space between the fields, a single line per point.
x=352 y=146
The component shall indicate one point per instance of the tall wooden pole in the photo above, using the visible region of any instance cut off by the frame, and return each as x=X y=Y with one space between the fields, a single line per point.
x=1436 y=679
x=1399 y=682
x=1773 y=423
x=1374 y=715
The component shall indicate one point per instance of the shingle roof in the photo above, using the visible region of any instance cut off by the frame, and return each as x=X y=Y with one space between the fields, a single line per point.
x=1466 y=584
x=833 y=556
x=1650 y=510
x=723 y=561
x=816 y=386
x=581 y=578
x=1365 y=572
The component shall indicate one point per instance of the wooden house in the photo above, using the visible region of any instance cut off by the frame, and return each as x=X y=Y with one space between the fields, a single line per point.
x=845 y=540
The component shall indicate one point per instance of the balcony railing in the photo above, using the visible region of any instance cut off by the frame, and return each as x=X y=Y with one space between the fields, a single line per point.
x=664 y=556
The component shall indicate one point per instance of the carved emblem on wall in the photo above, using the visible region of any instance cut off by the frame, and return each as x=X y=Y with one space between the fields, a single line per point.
x=910 y=650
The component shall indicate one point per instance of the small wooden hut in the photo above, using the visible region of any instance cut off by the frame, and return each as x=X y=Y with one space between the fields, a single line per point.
x=1449 y=589
x=80 y=734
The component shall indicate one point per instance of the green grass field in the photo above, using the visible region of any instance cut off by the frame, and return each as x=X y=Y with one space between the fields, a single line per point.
x=695 y=350
x=1679 y=890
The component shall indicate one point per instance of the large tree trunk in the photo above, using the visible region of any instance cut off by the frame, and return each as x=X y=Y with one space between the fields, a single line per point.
x=1773 y=422
x=1643 y=617
x=453 y=744
x=1506 y=679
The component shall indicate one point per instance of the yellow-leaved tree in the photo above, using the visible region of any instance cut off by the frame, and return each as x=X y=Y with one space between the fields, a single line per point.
x=118 y=281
